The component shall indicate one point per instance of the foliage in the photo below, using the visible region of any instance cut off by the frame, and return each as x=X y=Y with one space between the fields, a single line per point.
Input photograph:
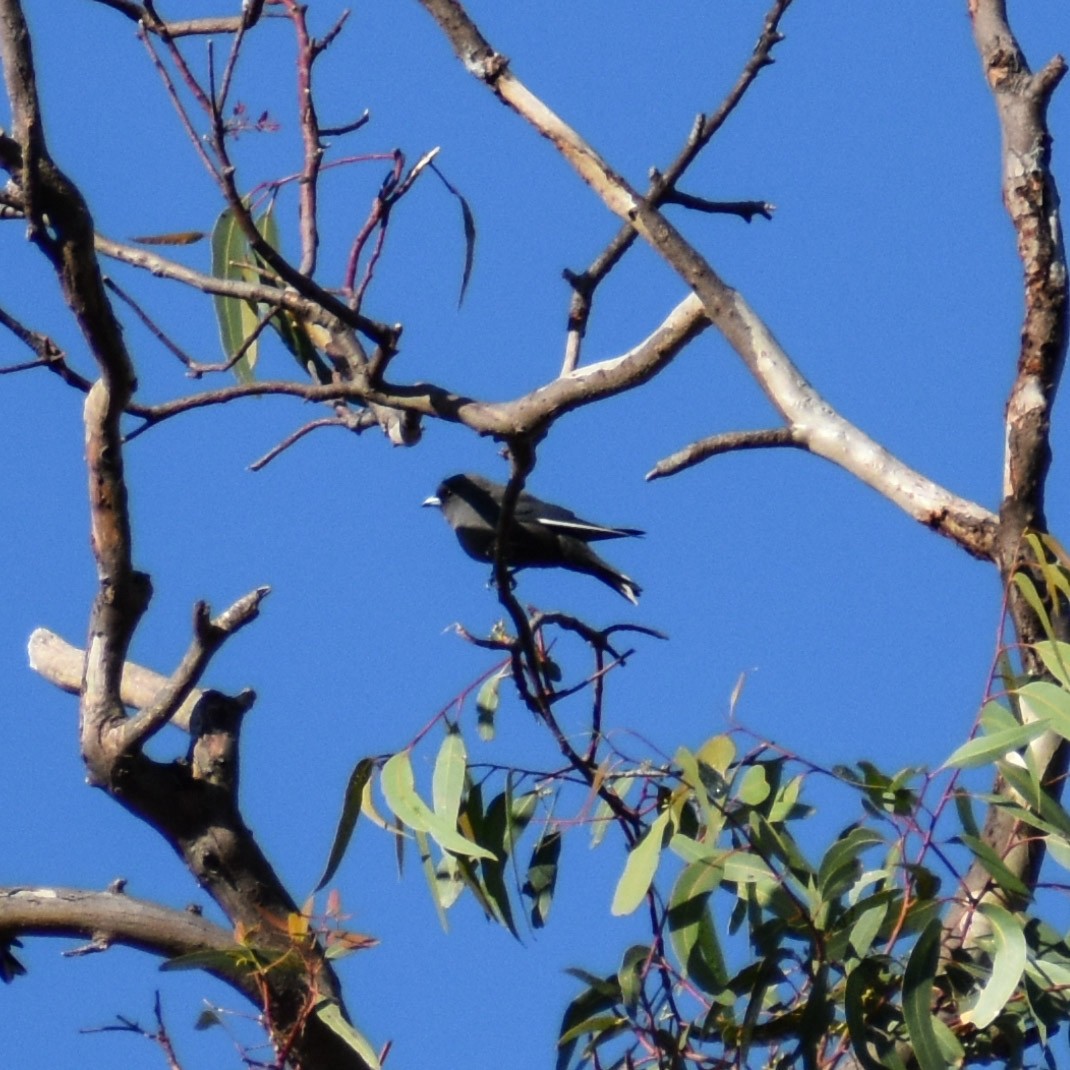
x=763 y=946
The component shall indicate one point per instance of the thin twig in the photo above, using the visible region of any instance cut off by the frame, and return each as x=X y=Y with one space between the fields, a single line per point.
x=663 y=182
x=296 y=436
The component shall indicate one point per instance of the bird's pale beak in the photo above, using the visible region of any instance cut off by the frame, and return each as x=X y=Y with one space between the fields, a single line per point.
x=433 y=500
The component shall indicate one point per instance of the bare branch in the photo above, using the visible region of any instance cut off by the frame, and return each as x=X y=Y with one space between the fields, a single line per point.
x=351 y=421
x=347 y=128
x=209 y=635
x=150 y=324
x=62 y=664
x=725 y=443
x=177 y=28
x=746 y=210
x=803 y=409
x=116 y=918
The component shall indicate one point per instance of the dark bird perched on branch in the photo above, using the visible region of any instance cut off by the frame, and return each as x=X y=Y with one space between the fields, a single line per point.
x=541 y=535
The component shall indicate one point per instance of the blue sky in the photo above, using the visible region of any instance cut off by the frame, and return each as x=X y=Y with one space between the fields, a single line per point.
x=888 y=273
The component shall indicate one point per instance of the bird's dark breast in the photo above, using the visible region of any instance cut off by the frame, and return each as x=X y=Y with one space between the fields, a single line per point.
x=524 y=549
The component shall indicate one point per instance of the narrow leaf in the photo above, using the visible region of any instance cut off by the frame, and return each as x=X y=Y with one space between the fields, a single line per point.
x=861 y=982
x=469 y=221
x=987 y=748
x=918 y=981
x=331 y=1015
x=1036 y=603
x=1008 y=963
x=399 y=789
x=1048 y=703
x=351 y=806
x=427 y=867
x=447 y=783
x=237 y=318
x=1056 y=658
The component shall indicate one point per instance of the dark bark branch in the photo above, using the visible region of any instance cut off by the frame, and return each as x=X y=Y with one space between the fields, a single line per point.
x=746 y=210
x=523 y=416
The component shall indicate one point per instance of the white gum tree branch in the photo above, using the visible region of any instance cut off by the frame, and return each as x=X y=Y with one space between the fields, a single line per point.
x=814 y=423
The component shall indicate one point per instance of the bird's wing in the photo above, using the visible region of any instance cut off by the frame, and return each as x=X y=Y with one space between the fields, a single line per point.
x=588 y=532
x=532 y=510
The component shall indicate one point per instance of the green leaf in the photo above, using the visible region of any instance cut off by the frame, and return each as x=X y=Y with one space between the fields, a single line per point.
x=786 y=799
x=237 y=318
x=748 y=869
x=690 y=851
x=987 y=748
x=995 y=716
x=599 y=1024
x=207 y=1019
x=427 y=867
x=237 y=961
x=869 y=922
x=1047 y=702
x=362 y=772
x=449 y=880
x=717 y=752
x=586 y=1013
x=506 y=818
x=540 y=881
x=964 y=808
x=1008 y=963
x=1059 y=850
x=399 y=788
x=994 y=865
x=1035 y=796
x=841 y=864
x=630 y=974
x=640 y=868
x=692 y=933
x=918 y=981
x=863 y=979
x=447 y=782
x=602 y=820
x=753 y=786
x=1036 y=603
x=1056 y=658
x=488 y=700
x=331 y=1015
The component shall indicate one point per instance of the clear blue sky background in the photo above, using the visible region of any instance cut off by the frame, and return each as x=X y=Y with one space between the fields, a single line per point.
x=889 y=273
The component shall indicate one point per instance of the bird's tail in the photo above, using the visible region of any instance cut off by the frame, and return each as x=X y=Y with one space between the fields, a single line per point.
x=626 y=586
x=595 y=566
